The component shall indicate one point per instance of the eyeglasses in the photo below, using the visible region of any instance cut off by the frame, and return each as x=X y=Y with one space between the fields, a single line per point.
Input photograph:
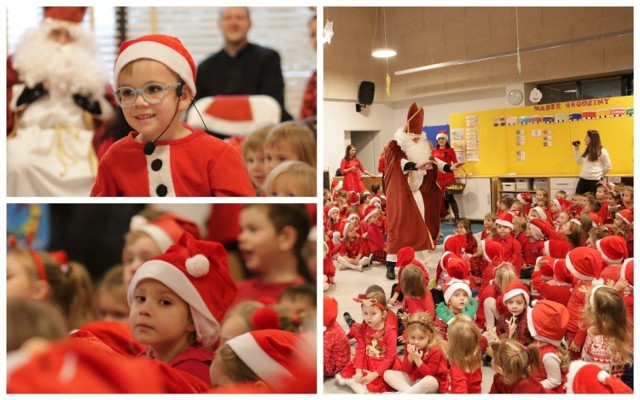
x=152 y=93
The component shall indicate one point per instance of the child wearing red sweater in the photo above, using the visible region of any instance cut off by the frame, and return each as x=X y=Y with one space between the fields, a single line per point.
x=512 y=248
x=515 y=368
x=547 y=286
x=465 y=356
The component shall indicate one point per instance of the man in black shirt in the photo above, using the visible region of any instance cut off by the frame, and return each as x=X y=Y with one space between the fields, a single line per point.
x=241 y=67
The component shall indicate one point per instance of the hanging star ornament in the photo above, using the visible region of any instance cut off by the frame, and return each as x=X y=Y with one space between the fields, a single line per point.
x=327 y=32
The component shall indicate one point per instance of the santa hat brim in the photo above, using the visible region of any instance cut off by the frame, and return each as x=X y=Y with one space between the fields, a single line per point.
x=159 y=236
x=534 y=333
x=453 y=287
x=513 y=293
x=504 y=222
x=605 y=257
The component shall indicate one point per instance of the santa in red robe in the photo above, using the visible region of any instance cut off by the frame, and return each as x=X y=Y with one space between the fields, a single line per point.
x=413 y=195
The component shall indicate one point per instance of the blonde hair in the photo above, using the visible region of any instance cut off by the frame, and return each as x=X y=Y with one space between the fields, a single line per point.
x=505 y=275
x=299 y=174
x=515 y=361
x=521 y=222
x=464 y=344
x=299 y=136
x=412 y=282
x=234 y=367
x=28 y=318
x=423 y=322
x=609 y=318
x=255 y=140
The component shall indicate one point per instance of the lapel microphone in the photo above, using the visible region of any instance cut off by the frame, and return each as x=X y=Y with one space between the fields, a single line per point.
x=150 y=146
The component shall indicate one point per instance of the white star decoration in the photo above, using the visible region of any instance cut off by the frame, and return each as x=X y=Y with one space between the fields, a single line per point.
x=327 y=33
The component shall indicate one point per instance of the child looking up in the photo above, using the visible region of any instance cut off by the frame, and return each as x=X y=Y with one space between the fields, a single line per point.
x=271 y=240
x=154 y=78
x=465 y=356
x=515 y=367
x=424 y=367
x=178 y=301
x=627 y=197
x=541 y=199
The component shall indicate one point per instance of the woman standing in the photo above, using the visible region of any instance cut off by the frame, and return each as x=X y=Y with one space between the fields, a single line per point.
x=444 y=152
x=595 y=162
x=350 y=168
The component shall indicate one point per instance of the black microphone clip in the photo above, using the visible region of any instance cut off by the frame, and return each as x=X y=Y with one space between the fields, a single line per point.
x=149 y=147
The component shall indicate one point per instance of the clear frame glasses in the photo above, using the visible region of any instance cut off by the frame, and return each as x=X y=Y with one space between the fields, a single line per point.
x=152 y=93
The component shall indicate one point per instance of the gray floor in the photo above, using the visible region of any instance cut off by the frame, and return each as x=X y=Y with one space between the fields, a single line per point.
x=350 y=283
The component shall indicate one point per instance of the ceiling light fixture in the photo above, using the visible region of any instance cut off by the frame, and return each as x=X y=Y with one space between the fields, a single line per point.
x=383 y=52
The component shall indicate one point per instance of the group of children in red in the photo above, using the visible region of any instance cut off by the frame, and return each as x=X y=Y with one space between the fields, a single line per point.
x=545 y=298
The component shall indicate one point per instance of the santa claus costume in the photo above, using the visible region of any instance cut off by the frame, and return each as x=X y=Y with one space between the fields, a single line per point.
x=56 y=96
x=413 y=195
x=184 y=162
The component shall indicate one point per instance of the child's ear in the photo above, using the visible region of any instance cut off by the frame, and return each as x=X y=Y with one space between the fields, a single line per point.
x=185 y=97
x=41 y=290
x=287 y=238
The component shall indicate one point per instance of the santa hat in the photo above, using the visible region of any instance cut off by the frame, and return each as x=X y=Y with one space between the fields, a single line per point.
x=585 y=377
x=626 y=215
x=458 y=268
x=546 y=270
x=407 y=256
x=454 y=244
x=555 y=248
x=442 y=135
x=353 y=198
x=162 y=48
x=273 y=355
x=353 y=216
x=72 y=15
x=415 y=119
x=330 y=310
x=514 y=289
x=344 y=228
x=115 y=335
x=613 y=249
x=595 y=219
x=562 y=204
x=627 y=270
x=524 y=197
x=492 y=250
x=562 y=274
x=443 y=263
x=506 y=219
x=541 y=213
x=375 y=199
x=451 y=286
x=536 y=232
x=336 y=186
x=198 y=272
x=370 y=211
x=331 y=209
x=547 y=321
x=164 y=230
x=585 y=264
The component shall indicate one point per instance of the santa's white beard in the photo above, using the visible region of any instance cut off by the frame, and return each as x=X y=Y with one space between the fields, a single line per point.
x=416 y=152
x=67 y=69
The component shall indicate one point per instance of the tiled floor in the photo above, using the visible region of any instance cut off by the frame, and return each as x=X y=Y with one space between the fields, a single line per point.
x=350 y=283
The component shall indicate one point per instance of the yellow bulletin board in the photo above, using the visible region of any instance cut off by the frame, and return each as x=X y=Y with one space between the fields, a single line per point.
x=536 y=140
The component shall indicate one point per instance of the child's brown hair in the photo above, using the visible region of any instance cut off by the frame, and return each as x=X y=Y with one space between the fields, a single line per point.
x=423 y=322
x=520 y=222
x=255 y=140
x=412 y=282
x=464 y=344
x=491 y=215
x=299 y=136
x=112 y=283
x=28 y=318
x=514 y=361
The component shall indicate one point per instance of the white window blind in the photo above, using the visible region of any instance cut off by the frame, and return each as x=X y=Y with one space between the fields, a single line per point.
x=284 y=29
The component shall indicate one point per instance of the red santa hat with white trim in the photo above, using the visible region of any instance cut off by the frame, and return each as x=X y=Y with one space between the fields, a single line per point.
x=613 y=249
x=451 y=286
x=505 y=219
x=353 y=198
x=73 y=15
x=492 y=250
x=330 y=310
x=540 y=211
x=407 y=256
x=165 y=230
x=524 y=198
x=626 y=215
x=168 y=50
x=331 y=209
x=353 y=217
x=585 y=264
x=336 y=186
x=454 y=243
x=273 y=355
x=198 y=272
x=536 y=232
x=370 y=211
x=555 y=248
x=584 y=377
x=442 y=134
x=344 y=228
x=458 y=268
x=562 y=275
x=546 y=269
x=514 y=289
x=627 y=270
x=547 y=321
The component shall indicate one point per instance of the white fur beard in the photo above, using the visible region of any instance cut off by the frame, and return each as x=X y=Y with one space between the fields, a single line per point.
x=415 y=152
x=71 y=68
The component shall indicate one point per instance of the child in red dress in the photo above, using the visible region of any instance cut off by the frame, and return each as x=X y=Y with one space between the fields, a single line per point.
x=465 y=356
x=515 y=368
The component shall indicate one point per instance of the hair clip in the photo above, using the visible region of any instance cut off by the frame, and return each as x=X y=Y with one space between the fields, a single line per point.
x=365 y=300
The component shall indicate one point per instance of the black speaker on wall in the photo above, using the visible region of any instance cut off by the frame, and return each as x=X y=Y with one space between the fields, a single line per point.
x=365 y=94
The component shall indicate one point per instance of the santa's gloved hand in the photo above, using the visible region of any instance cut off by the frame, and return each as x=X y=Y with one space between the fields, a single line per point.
x=86 y=104
x=29 y=95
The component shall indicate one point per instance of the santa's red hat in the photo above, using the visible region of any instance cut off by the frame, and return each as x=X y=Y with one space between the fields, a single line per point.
x=547 y=321
x=370 y=211
x=330 y=310
x=585 y=377
x=443 y=263
x=555 y=248
x=353 y=198
x=73 y=15
x=164 y=230
x=273 y=355
x=442 y=134
x=562 y=274
x=562 y=204
x=505 y=219
x=415 y=119
x=536 y=232
x=331 y=209
x=198 y=272
x=541 y=213
x=546 y=270
x=375 y=199
x=458 y=268
x=451 y=286
x=116 y=335
x=454 y=243
x=492 y=250
x=524 y=197
x=336 y=186
x=585 y=264
x=626 y=215
x=627 y=270
x=353 y=216
x=344 y=228
x=613 y=249
x=162 y=48
x=514 y=289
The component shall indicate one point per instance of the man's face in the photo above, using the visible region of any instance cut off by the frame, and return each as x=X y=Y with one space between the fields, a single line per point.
x=235 y=24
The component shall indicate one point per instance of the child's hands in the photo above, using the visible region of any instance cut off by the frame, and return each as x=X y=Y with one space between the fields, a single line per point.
x=369 y=377
x=539 y=263
x=574 y=347
x=401 y=339
x=621 y=284
x=511 y=323
x=414 y=354
x=358 y=376
x=491 y=335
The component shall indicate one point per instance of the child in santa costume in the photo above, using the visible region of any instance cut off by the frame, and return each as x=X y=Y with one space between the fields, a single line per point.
x=512 y=248
x=620 y=277
x=336 y=350
x=375 y=235
x=457 y=300
x=465 y=348
x=178 y=301
x=352 y=249
x=490 y=299
x=515 y=367
x=547 y=322
x=624 y=222
x=588 y=378
x=155 y=77
x=513 y=323
x=545 y=283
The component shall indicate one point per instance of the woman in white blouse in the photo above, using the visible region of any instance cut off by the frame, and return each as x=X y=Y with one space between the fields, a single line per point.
x=595 y=162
